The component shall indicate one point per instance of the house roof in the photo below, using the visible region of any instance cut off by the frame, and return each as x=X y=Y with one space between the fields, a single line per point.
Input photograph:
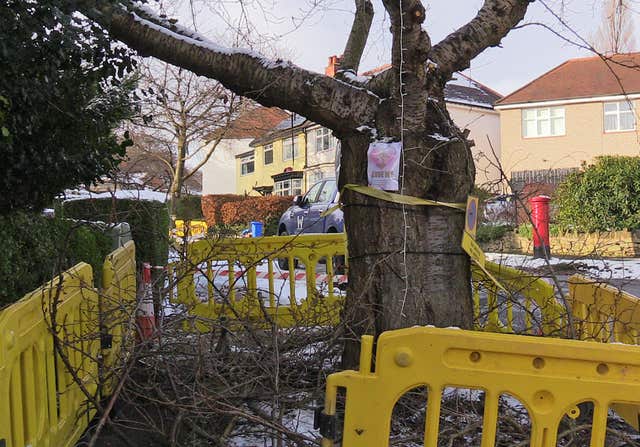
x=252 y=122
x=461 y=89
x=582 y=78
x=288 y=127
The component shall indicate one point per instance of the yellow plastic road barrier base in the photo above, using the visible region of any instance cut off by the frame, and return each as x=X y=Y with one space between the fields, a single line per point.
x=548 y=376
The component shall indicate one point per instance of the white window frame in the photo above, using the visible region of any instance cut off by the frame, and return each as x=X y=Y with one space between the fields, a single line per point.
x=245 y=161
x=324 y=140
x=288 y=187
x=617 y=114
x=545 y=122
x=290 y=150
x=267 y=148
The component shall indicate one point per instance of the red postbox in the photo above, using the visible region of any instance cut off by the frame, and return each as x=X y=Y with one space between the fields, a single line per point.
x=540 y=220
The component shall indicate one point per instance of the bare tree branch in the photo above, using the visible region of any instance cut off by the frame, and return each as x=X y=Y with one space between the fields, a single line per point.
x=320 y=98
x=494 y=20
x=358 y=36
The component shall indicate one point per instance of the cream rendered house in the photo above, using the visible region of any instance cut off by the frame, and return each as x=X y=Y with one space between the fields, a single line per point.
x=579 y=110
x=220 y=172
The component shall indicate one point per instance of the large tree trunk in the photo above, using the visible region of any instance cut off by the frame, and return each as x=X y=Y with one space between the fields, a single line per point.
x=406 y=265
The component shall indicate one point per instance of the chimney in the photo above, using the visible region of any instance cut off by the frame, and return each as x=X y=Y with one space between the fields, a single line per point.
x=333 y=66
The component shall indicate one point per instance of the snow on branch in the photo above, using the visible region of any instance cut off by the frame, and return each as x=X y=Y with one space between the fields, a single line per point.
x=322 y=99
x=493 y=21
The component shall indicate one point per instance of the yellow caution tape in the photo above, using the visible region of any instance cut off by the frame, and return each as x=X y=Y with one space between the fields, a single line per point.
x=476 y=254
x=399 y=198
x=330 y=210
x=395 y=198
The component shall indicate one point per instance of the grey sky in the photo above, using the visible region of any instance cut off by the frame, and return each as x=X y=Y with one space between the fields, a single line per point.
x=308 y=35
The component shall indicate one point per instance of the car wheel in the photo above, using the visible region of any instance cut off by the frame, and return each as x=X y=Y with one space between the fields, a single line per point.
x=283 y=263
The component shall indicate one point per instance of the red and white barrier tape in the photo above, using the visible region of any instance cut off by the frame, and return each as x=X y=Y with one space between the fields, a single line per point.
x=145 y=316
x=320 y=277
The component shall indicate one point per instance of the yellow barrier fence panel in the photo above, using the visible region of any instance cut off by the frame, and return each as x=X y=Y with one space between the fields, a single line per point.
x=117 y=310
x=260 y=280
x=43 y=405
x=76 y=324
x=606 y=314
x=526 y=295
x=602 y=312
x=550 y=377
x=189 y=228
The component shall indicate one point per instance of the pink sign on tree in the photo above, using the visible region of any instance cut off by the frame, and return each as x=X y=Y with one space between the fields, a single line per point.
x=384 y=165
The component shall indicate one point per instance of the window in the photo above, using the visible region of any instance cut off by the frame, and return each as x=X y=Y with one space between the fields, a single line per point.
x=312 y=194
x=619 y=116
x=315 y=176
x=247 y=164
x=324 y=140
x=327 y=191
x=543 y=122
x=268 y=154
x=289 y=187
x=290 y=148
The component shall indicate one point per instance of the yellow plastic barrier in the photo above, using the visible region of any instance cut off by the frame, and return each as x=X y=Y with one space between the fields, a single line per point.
x=244 y=300
x=535 y=298
x=190 y=228
x=604 y=313
x=549 y=376
x=44 y=381
x=117 y=309
x=240 y=256
x=43 y=403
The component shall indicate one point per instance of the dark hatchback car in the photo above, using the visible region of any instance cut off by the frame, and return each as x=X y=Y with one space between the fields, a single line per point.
x=304 y=216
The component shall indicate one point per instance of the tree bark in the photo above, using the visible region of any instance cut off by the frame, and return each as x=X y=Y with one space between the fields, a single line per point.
x=406 y=264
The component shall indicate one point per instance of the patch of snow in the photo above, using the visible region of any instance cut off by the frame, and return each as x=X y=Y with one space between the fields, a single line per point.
x=439 y=137
x=135 y=194
x=605 y=269
x=351 y=76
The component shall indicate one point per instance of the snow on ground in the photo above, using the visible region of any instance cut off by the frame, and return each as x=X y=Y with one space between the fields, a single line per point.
x=137 y=194
x=605 y=269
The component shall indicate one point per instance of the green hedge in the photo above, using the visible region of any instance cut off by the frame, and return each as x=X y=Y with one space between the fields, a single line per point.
x=605 y=196
x=487 y=233
x=149 y=221
x=36 y=248
x=189 y=208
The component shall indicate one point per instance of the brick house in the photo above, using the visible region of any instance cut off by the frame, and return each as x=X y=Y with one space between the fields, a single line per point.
x=579 y=110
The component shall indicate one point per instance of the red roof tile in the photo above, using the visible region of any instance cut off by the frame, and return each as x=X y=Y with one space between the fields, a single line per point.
x=253 y=122
x=582 y=78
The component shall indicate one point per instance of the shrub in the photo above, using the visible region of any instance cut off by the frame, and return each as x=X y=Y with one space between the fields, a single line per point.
x=211 y=205
x=36 y=248
x=488 y=233
x=149 y=221
x=189 y=208
x=526 y=230
x=263 y=209
x=604 y=196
